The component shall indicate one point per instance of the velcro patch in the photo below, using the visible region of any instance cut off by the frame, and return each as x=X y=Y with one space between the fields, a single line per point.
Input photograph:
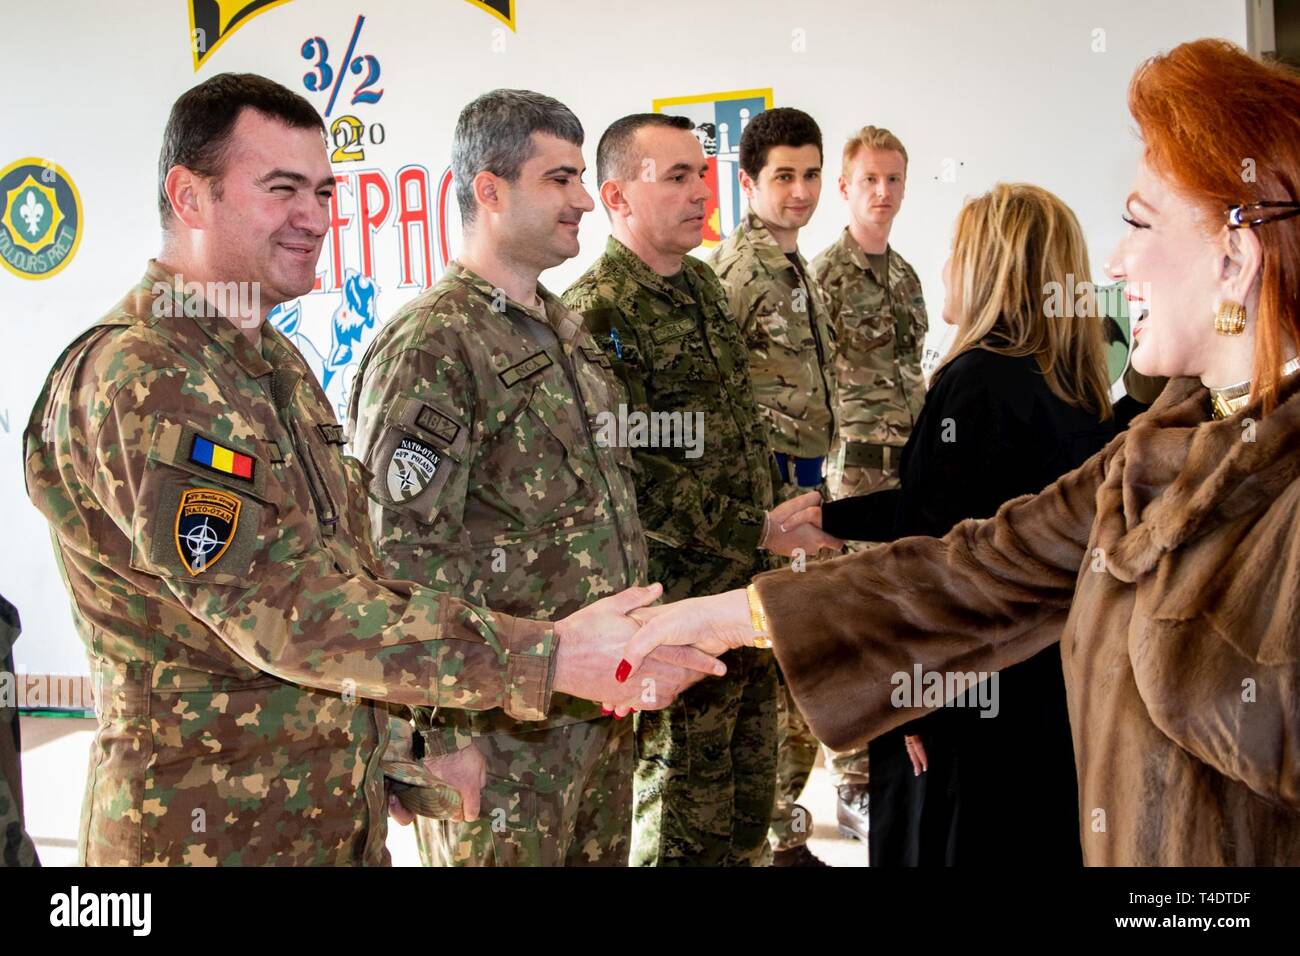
x=217 y=457
x=437 y=424
x=410 y=469
x=332 y=434
x=597 y=357
x=671 y=330
x=206 y=519
x=522 y=370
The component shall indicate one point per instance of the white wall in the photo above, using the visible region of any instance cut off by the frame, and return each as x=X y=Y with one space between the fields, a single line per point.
x=1008 y=89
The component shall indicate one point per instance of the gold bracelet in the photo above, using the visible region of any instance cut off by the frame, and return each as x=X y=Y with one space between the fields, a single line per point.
x=758 y=618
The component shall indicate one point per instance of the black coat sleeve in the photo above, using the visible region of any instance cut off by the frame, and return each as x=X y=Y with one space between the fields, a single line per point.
x=872 y=517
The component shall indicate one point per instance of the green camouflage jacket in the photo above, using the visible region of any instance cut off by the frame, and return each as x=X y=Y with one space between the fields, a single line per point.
x=789 y=339
x=478 y=417
x=214 y=542
x=683 y=361
x=879 y=330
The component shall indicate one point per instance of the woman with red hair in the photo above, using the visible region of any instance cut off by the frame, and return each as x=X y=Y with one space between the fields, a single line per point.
x=1167 y=565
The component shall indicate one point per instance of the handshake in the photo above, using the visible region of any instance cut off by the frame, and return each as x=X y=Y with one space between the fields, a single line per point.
x=657 y=652
x=629 y=656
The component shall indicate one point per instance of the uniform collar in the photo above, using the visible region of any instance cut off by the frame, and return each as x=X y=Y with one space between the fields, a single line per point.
x=858 y=256
x=766 y=249
x=162 y=300
x=564 y=322
x=642 y=274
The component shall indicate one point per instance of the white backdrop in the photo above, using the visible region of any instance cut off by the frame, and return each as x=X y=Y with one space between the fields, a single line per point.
x=978 y=90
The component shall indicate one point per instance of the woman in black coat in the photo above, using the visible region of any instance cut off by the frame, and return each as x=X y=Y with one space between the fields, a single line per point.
x=1022 y=399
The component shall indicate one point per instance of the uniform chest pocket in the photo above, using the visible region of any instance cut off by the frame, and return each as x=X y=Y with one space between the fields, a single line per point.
x=320 y=441
x=780 y=326
x=601 y=390
x=866 y=333
x=681 y=352
x=200 y=508
x=540 y=464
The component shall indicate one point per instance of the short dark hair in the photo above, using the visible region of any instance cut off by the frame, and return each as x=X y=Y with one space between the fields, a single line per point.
x=782 y=126
x=614 y=151
x=494 y=133
x=201 y=121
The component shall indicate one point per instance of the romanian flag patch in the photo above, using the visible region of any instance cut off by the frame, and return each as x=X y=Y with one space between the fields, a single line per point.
x=221 y=459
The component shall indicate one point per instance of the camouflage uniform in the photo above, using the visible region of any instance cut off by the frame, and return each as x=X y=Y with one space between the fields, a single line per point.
x=234 y=688
x=521 y=509
x=706 y=768
x=785 y=321
x=879 y=330
x=16 y=848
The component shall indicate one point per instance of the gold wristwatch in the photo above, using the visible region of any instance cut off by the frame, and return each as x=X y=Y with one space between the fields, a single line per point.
x=758 y=618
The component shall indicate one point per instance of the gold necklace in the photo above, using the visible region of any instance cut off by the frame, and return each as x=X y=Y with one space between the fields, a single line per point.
x=1233 y=398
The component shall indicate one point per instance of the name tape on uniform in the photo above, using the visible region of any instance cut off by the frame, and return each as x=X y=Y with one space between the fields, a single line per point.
x=522 y=370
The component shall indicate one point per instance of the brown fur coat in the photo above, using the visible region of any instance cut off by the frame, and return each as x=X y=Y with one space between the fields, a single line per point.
x=1168 y=568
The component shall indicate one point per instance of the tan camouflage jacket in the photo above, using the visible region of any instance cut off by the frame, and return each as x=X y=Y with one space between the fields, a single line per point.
x=789 y=339
x=214 y=542
x=879 y=330
x=479 y=417
x=681 y=354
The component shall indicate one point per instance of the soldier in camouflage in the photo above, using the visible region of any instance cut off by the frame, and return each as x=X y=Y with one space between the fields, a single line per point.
x=878 y=322
x=476 y=408
x=783 y=314
x=706 y=768
x=877 y=319
x=214 y=541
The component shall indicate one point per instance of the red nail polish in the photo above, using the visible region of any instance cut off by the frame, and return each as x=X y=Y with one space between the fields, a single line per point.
x=605 y=711
x=618 y=716
x=624 y=668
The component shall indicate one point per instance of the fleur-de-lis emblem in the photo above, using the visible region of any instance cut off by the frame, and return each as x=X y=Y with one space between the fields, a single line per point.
x=32 y=212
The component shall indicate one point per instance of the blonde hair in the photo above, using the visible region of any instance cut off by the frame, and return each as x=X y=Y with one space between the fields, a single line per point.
x=1016 y=250
x=871 y=137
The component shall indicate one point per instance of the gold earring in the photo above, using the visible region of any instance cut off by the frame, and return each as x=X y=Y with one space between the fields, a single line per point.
x=1230 y=319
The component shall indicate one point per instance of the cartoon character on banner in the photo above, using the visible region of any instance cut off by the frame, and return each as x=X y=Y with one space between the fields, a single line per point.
x=354 y=316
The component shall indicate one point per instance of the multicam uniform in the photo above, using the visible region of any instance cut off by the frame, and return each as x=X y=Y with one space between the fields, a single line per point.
x=784 y=316
x=707 y=763
x=214 y=542
x=879 y=329
x=478 y=417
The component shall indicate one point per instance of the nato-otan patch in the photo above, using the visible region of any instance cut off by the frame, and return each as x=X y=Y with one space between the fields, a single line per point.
x=206 y=519
x=410 y=469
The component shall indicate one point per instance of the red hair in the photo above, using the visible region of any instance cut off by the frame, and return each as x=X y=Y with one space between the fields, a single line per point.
x=1210 y=116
